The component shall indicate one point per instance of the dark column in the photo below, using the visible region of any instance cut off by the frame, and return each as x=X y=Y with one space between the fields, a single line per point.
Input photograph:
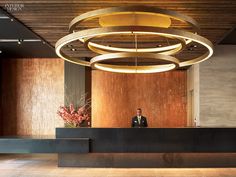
x=8 y=119
x=77 y=83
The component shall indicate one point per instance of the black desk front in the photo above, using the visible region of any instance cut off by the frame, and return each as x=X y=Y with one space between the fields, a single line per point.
x=152 y=147
x=133 y=147
x=154 y=140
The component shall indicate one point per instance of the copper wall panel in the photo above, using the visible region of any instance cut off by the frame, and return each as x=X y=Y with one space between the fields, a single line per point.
x=162 y=96
x=32 y=90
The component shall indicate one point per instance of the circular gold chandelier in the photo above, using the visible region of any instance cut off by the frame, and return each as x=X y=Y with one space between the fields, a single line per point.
x=133 y=21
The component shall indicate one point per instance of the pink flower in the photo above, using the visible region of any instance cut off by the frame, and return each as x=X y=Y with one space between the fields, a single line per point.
x=72 y=109
x=69 y=115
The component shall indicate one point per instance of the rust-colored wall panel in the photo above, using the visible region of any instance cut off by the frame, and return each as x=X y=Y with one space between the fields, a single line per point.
x=32 y=90
x=162 y=97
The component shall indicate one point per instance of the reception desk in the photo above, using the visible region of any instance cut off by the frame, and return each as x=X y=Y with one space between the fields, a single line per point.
x=152 y=147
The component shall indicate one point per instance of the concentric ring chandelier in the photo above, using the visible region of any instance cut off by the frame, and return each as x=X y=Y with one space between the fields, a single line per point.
x=134 y=21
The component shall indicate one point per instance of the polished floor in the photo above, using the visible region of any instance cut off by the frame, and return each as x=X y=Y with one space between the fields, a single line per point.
x=46 y=166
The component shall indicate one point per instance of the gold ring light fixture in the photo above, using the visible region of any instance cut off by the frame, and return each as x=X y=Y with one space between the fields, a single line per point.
x=134 y=21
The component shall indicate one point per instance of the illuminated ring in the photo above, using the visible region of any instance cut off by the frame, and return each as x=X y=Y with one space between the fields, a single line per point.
x=130 y=9
x=174 y=63
x=155 y=30
x=102 y=49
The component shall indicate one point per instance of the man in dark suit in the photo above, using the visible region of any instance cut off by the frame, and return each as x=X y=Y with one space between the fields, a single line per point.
x=139 y=120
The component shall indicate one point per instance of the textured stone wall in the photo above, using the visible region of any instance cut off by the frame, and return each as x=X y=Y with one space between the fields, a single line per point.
x=218 y=88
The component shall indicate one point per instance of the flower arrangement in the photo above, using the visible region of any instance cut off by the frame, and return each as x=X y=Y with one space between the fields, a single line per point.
x=75 y=117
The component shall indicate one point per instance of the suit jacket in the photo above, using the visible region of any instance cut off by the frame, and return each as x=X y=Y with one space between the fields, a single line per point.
x=143 y=122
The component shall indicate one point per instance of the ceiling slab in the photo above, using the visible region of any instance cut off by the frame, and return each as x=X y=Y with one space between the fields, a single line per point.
x=50 y=19
x=17 y=41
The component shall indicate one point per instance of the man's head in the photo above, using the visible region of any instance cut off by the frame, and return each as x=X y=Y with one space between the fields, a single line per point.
x=139 y=112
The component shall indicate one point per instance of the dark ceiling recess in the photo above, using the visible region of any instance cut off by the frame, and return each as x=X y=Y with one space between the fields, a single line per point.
x=229 y=38
x=18 y=41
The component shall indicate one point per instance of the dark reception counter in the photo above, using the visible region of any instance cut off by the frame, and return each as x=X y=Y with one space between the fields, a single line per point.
x=154 y=140
x=152 y=147
x=133 y=147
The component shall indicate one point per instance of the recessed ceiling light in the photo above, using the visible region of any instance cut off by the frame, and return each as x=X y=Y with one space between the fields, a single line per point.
x=0 y=51
x=20 y=41
x=193 y=46
x=190 y=48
